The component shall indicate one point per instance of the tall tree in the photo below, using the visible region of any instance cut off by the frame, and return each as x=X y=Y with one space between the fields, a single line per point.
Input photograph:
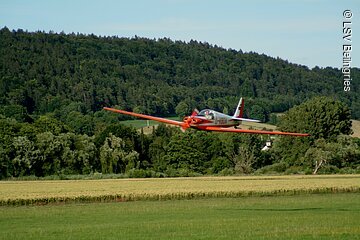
x=322 y=117
x=114 y=158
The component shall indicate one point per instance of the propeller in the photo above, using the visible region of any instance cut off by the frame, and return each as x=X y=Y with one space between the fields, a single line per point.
x=189 y=120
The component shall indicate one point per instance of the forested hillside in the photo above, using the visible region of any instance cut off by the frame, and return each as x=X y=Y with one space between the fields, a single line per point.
x=53 y=88
x=45 y=72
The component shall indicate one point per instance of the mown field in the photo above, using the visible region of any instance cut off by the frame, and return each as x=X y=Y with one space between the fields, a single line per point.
x=44 y=192
x=316 y=216
x=356 y=128
x=255 y=207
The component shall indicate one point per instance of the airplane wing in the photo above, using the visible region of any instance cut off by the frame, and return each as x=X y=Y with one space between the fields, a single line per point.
x=219 y=129
x=158 y=119
x=216 y=129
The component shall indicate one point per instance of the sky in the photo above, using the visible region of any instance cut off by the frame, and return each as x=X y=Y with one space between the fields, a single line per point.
x=305 y=32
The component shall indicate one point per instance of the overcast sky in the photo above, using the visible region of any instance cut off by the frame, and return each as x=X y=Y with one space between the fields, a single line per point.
x=306 y=32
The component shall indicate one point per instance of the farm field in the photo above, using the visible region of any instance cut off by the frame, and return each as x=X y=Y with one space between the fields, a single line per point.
x=315 y=216
x=109 y=190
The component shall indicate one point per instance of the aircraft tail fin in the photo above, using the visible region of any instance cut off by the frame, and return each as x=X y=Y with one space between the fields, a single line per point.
x=239 y=112
x=239 y=109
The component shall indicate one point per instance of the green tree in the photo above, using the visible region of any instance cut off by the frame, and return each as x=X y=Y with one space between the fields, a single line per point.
x=15 y=111
x=9 y=128
x=244 y=160
x=82 y=124
x=85 y=154
x=50 y=124
x=182 y=153
x=322 y=117
x=6 y=165
x=290 y=150
x=195 y=151
x=182 y=109
x=49 y=154
x=344 y=152
x=320 y=154
x=273 y=119
x=25 y=156
x=128 y=134
x=159 y=140
x=257 y=112
x=157 y=152
x=114 y=158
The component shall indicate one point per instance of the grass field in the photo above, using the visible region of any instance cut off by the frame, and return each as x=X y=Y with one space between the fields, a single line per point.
x=44 y=192
x=356 y=128
x=317 y=216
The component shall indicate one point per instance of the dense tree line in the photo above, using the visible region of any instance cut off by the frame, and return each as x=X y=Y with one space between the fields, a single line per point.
x=53 y=88
x=48 y=147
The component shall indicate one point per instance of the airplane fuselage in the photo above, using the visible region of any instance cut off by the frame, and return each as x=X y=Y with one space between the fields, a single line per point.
x=211 y=118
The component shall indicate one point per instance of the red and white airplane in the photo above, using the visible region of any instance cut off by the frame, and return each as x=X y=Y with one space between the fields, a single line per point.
x=210 y=120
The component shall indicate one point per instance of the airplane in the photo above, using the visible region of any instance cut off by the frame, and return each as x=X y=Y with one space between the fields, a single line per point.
x=210 y=120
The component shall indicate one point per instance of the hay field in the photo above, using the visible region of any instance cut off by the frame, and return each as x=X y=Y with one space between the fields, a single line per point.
x=43 y=192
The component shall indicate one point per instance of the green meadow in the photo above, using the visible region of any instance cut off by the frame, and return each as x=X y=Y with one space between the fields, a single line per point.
x=315 y=216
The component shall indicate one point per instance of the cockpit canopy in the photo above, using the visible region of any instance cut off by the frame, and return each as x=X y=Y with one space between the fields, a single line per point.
x=207 y=113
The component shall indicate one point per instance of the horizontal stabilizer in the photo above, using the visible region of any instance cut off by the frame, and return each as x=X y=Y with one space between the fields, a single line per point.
x=245 y=119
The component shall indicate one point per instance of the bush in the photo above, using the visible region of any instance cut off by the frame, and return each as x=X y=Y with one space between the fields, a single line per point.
x=181 y=172
x=219 y=164
x=226 y=172
x=294 y=170
x=349 y=170
x=274 y=168
x=326 y=169
x=141 y=173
